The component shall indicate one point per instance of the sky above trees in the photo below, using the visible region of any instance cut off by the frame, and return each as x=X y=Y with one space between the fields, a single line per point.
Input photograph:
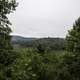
x=44 y=18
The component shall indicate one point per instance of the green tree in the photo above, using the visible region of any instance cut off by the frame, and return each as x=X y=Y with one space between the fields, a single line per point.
x=73 y=37
x=7 y=55
x=41 y=49
x=6 y=7
x=71 y=61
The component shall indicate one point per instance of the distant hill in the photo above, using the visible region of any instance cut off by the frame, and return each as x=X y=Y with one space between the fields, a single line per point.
x=22 y=39
x=52 y=43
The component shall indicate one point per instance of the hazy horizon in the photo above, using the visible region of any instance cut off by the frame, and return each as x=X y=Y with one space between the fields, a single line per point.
x=44 y=18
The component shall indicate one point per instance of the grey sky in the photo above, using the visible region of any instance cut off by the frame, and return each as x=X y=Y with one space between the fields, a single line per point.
x=43 y=18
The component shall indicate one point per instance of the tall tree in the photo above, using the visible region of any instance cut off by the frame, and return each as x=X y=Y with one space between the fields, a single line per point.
x=6 y=7
x=73 y=37
x=7 y=56
x=73 y=45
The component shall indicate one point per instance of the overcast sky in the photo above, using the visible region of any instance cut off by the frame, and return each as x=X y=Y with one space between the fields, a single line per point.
x=44 y=18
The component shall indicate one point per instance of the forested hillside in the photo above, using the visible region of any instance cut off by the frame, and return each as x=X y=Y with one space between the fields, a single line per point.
x=51 y=43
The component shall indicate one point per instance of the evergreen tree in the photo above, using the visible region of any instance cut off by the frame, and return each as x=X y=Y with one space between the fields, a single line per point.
x=73 y=37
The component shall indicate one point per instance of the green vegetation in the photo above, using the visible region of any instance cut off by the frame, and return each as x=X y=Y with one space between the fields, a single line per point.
x=7 y=54
x=73 y=38
x=49 y=43
x=41 y=59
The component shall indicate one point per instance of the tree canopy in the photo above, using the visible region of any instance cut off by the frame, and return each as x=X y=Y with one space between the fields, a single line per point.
x=73 y=37
x=6 y=7
x=7 y=55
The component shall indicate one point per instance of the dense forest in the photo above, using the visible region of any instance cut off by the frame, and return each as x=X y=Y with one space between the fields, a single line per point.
x=48 y=43
x=37 y=58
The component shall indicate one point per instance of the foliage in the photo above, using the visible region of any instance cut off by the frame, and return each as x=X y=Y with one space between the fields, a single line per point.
x=71 y=61
x=73 y=37
x=49 y=44
x=33 y=66
x=41 y=49
x=7 y=55
x=40 y=64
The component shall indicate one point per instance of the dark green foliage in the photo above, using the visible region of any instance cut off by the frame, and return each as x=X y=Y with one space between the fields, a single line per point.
x=41 y=49
x=71 y=61
x=51 y=44
x=33 y=66
x=69 y=68
x=45 y=63
x=73 y=38
x=6 y=7
x=7 y=55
